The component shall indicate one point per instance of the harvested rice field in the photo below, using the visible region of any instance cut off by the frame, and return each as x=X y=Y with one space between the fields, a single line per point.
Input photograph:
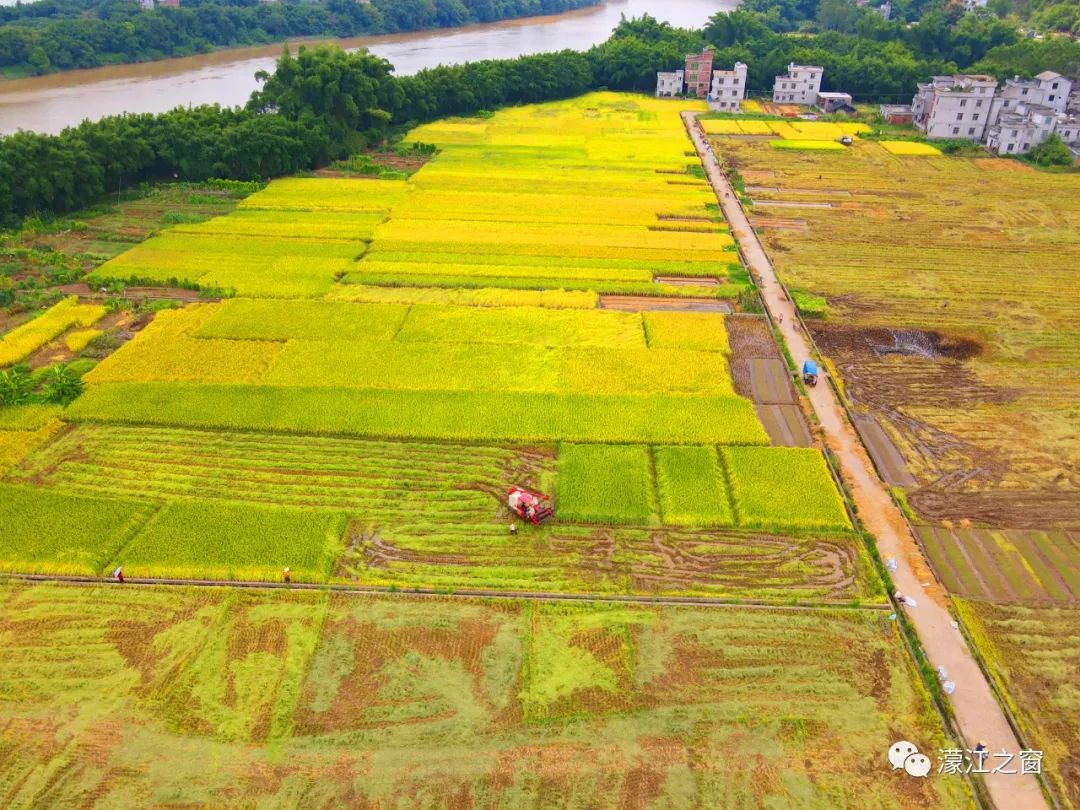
x=227 y=699
x=936 y=284
x=962 y=344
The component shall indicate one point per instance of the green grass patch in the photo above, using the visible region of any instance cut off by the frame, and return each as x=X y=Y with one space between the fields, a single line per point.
x=810 y=305
x=605 y=484
x=692 y=488
x=808 y=146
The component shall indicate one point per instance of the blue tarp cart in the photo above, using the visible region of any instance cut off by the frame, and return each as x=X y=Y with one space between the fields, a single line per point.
x=809 y=372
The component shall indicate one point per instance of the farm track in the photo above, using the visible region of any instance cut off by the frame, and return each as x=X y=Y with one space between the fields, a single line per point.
x=978 y=714
x=644 y=303
x=464 y=593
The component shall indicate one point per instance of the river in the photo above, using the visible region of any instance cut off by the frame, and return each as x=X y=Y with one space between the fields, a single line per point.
x=50 y=103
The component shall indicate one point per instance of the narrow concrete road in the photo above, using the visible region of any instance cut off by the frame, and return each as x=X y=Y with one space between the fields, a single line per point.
x=978 y=714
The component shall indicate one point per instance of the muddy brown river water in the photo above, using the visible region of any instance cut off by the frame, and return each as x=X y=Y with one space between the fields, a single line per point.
x=50 y=103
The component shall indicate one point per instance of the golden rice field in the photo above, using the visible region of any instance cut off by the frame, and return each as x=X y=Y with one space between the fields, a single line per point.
x=910 y=148
x=591 y=194
x=459 y=305
x=788 y=130
x=387 y=359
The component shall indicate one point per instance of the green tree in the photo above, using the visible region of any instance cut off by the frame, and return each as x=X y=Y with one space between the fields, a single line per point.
x=353 y=95
x=62 y=385
x=16 y=385
x=1051 y=152
x=39 y=61
x=837 y=15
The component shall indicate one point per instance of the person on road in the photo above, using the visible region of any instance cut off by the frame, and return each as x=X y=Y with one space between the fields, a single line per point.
x=286 y=575
x=118 y=574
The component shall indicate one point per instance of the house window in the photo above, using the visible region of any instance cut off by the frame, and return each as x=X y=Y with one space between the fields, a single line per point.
x=1054 y=86
x=1024 y=93
x=719 y=81
x=734 y=92
x=978 y=103
x=963 y=102
x=1009 y=148
x=1025 y=147
x=959 y=116
x=956 y=130
x=1015 y=133
x=1051 y=98
x=971 y=130
x=975 y=117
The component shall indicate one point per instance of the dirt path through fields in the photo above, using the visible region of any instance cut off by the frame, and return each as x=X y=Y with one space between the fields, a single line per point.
x=453 y=593
x=978 y=714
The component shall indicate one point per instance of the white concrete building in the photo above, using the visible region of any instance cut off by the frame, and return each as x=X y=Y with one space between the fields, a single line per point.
x=1048 y=89
x=954 y=106
x=800 y=85
x=1056 y=90
x=1068 y=129
x=728 y=89
x=1020 y=130
x=669 y=83
x=971 y=5
x=1027 y=125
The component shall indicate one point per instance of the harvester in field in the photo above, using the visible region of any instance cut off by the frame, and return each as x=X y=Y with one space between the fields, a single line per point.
x=530 y=506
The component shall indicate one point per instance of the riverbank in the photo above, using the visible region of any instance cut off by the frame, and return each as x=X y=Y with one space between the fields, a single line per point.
x=66 y=39
x=50 y=103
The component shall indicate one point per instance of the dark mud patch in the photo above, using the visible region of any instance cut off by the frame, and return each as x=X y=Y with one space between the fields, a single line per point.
x=919 y=343
x=998 y=508
x=886 y=369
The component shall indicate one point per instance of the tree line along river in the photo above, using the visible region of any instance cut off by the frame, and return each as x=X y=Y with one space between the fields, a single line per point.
x=227 y=77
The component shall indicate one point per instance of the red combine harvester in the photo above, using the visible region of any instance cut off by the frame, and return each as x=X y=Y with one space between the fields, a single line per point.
x=530 y=506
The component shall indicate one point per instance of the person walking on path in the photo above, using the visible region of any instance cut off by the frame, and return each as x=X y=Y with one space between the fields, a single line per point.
x=286 y=575
x=118 y=574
